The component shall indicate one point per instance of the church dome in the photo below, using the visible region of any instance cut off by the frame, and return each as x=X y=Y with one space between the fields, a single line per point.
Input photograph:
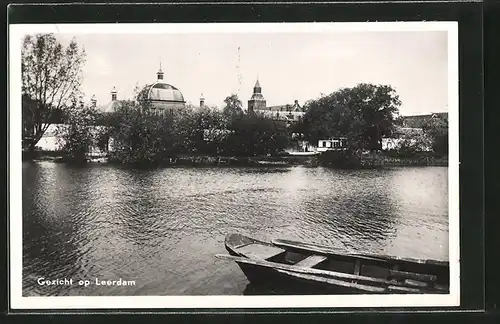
x=161 y=91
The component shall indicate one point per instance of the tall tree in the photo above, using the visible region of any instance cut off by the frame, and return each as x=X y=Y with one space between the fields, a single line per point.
x=363 y=114
x=255 y=134
x=51 y=80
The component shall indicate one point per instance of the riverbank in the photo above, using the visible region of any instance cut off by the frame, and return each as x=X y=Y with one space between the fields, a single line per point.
x=369 y=160
x=330 y=159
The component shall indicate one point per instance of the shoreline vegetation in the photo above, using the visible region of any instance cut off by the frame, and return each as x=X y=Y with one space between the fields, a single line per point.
x=137 y=136
x=332 y=159
x=142 y=132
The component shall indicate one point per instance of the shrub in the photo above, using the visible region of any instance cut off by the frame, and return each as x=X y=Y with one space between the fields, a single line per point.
x=76 y=137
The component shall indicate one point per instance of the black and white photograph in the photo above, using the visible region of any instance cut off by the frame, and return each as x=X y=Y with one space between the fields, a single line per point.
x=234 y=165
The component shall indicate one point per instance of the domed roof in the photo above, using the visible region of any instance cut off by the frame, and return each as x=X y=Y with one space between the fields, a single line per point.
x=160 y=91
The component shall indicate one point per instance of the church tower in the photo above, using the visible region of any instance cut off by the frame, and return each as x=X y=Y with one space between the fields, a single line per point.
x=202 y=101
x=159 y=74
x=113 y=94
x=257 y=101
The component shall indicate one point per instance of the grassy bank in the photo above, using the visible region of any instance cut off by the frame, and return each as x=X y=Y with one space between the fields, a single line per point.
x=381 y=161
x=352 y=160
x=207 y=160
x=333 y=159
x=186 y=159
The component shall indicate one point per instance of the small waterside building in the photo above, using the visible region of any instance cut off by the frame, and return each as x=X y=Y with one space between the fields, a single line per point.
x=332 y=144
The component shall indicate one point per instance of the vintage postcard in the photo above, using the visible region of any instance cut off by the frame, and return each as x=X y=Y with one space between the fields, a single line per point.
x=263 y=165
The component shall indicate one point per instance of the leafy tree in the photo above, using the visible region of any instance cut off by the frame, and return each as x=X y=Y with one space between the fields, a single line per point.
x=77 y=135
x=233 y=107
x=187 y=131
x=208 y=130
x=140 y=137
x=255 y=134
x=51 y=79
x=363 y=114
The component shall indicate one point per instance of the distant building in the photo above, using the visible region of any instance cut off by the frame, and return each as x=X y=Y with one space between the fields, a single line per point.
x=401 y=135
x=257 y=101
x=288 y=112
x=418 y=121
x=202 y=101
x=110 y=106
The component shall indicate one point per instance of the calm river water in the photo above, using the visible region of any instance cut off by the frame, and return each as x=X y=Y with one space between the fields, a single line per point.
x=162 y=228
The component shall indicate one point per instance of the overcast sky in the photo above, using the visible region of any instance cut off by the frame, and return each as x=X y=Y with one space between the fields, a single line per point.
x=290 y=66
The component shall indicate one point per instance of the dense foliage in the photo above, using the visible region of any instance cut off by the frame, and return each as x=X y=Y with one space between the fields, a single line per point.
x=364 y=114
x=142 y=137
x=253 y=134
x=138 y=134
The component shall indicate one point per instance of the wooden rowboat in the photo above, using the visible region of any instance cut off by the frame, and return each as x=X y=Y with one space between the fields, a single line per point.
x=300 y=267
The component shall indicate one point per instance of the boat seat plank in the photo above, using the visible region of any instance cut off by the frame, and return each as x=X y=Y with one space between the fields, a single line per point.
x=260 y=251
x=415 y=283
x=412 y=275
x=311 y=261
x=403 y=289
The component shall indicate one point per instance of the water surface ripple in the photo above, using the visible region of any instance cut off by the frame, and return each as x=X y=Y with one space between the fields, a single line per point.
x=163 y=227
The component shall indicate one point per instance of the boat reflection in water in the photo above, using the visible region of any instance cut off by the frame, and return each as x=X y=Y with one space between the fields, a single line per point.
x=256 y=289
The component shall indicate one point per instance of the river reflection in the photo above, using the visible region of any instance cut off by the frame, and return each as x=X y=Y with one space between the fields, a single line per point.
x=162 y=228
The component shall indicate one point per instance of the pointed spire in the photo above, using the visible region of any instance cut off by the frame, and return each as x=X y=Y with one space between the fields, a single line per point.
x=257 y=88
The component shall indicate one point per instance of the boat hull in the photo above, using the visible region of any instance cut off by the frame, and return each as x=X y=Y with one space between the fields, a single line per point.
x=265 y=273
x=286 y=282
